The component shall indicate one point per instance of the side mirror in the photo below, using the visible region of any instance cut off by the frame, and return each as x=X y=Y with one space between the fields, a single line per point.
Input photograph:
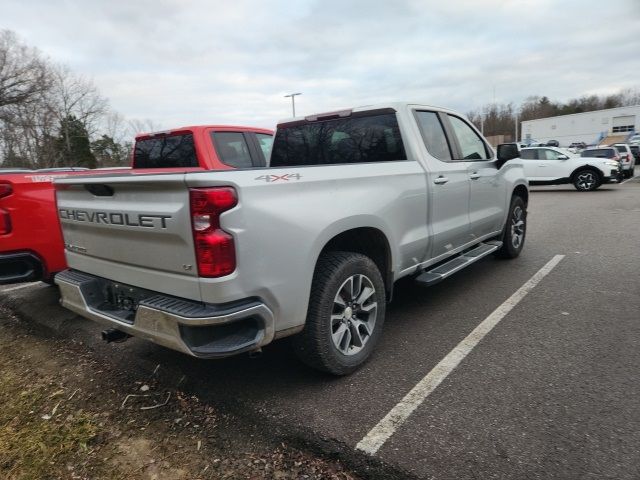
x=506 y=152
x=563 y=157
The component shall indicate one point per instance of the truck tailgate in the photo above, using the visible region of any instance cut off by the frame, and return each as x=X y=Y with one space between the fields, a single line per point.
x=132 y=229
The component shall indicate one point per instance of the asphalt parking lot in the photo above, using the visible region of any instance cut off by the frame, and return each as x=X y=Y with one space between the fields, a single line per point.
x=550 y=391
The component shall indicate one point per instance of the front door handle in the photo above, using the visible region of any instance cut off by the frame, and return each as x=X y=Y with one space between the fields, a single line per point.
x=474 y=176
x=441 y=180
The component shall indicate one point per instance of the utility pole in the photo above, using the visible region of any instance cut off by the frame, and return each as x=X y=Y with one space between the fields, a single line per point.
x=293 y=101
x=516 y=139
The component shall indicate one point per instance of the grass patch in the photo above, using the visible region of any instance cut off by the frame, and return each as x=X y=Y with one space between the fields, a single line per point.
x=30 y=446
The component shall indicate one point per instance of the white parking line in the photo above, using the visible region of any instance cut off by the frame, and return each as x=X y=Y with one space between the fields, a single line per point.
x=631 y=178
x=379 y=434
x=19 y=287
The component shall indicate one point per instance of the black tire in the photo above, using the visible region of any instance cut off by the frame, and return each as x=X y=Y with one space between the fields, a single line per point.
x=315 y=345
x=586 y=180
x=626 y=174
x=517 y=211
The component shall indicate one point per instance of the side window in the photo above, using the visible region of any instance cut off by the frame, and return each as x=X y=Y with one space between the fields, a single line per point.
x=528 y=154
x=232 y=149
x=472 y=146
x=265 y=141
x=549 y=154
x=433 y=135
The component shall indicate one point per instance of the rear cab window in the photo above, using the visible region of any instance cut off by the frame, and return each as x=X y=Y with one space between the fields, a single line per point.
x=165 y=151
x=371 y=136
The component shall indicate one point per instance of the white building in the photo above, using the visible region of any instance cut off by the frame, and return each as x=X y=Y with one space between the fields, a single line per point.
x=602 y=126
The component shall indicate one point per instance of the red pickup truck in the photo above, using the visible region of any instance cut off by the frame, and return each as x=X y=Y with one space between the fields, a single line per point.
x=31 y=245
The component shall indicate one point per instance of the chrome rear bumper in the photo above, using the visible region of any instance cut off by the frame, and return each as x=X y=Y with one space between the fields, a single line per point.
x=195 y=328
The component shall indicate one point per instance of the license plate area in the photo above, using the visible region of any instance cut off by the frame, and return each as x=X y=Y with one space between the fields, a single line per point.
x=114 y=299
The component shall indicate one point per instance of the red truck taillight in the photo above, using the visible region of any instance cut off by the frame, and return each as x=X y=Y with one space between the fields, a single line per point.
x=5 y=220
x=215 y=248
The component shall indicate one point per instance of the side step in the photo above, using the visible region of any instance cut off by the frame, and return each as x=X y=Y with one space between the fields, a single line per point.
x=444 y=270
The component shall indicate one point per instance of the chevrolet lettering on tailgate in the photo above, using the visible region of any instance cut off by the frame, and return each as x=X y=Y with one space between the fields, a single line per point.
x=115 y=218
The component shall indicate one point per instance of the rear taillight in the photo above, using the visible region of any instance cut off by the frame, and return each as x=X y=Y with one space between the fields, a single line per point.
x=215 y=248
x=5 y=220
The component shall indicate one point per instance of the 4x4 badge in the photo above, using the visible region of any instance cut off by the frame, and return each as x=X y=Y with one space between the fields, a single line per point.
x=275 y=178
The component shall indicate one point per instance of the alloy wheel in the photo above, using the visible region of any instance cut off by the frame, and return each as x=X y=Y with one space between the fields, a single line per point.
x=353 y=318
x=586 y=180
x=517 y=227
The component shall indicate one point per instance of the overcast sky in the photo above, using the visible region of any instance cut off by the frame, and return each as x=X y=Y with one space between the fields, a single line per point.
x=183 y=62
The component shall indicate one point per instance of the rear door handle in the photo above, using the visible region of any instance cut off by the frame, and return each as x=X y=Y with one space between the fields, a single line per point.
x=474 y=176
x=441 y=180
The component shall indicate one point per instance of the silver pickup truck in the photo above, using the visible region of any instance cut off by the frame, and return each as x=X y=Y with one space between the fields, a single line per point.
x=217 y=263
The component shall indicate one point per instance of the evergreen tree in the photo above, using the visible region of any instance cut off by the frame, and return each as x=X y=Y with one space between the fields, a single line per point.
x=73 y=147
x=109 y=153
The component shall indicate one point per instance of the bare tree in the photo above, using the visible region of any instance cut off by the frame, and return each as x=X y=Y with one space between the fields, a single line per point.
x=137 y=126
x=23 y=72
x=74 y=95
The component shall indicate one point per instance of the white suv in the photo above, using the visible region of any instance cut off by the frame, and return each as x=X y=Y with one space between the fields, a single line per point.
x=627 y=159
x=555 y=166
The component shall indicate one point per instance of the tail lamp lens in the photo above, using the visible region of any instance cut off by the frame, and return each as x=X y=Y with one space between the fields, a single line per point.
x=215 y=248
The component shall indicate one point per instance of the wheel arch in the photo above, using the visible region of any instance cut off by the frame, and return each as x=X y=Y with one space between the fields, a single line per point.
x=585 y=167
x=368 y=241
x=521 y=191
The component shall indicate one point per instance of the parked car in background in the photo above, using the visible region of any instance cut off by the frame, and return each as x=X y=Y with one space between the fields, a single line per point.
x=577 y=147
x=627 y=159
x=635 y=149
x=635 y=139
x=555 y=166
x=553 y=143
x=31 y=246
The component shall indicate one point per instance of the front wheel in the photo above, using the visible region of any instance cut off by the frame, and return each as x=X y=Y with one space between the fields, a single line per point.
x=515 y=229
x=345 y=316
x=586 y=181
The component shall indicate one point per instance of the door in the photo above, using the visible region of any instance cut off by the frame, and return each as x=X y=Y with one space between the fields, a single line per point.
x=448 y=186
x=552 y=164
x=487 y=187
x=544 y=164
x=529 y=157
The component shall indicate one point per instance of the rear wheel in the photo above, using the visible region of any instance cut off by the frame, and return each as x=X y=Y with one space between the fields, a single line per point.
x=586 y=180
x=515 y=230
x=345 y=316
